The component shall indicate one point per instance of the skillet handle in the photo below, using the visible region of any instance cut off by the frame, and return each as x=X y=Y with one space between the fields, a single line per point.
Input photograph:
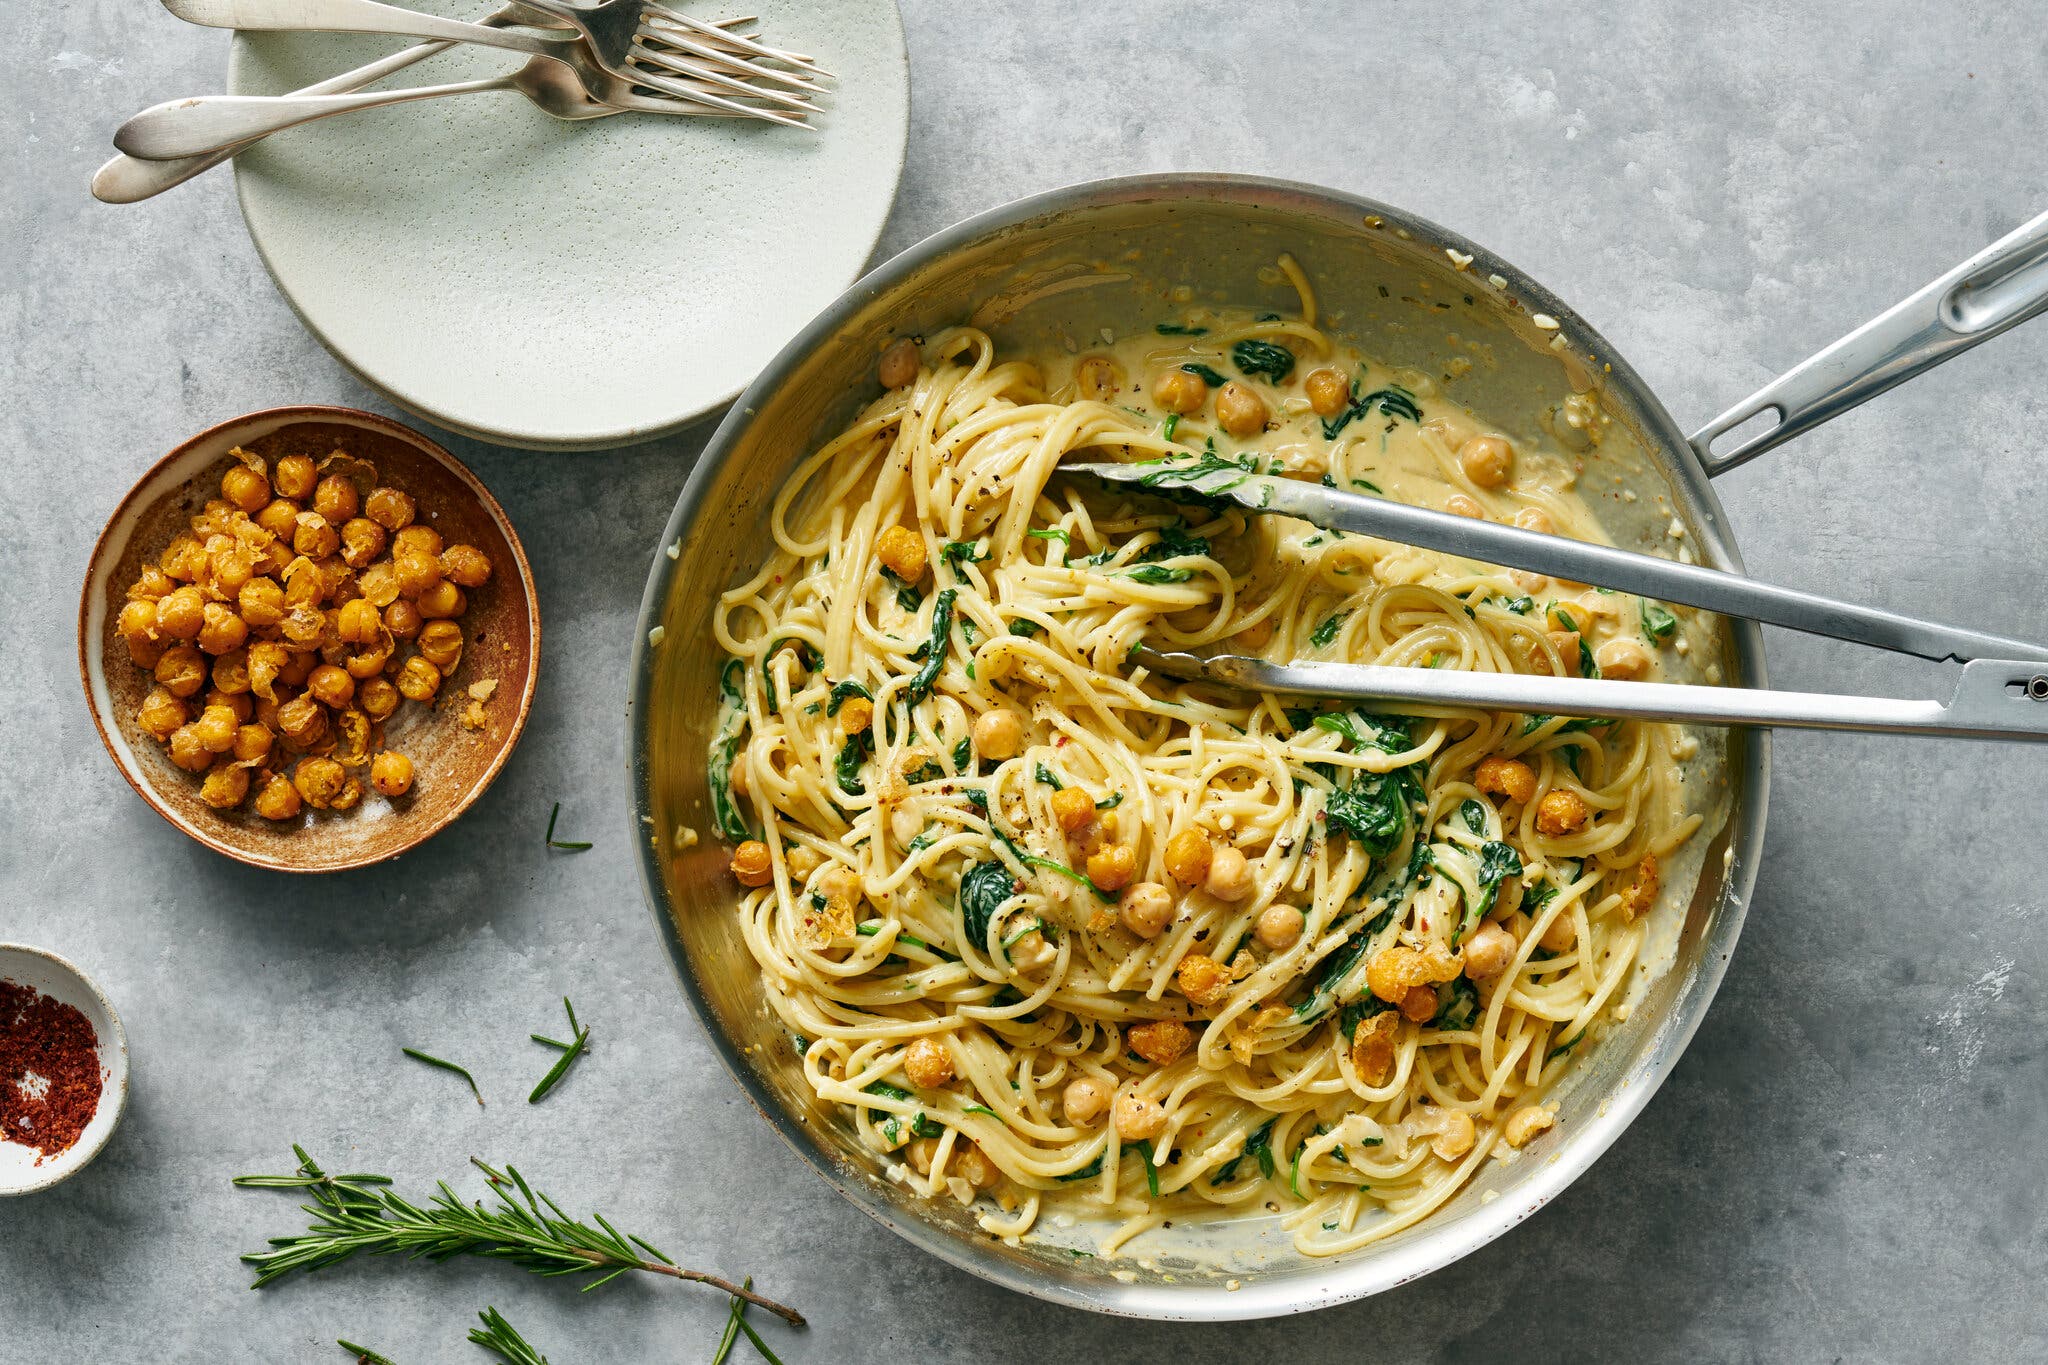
x=1998 y=288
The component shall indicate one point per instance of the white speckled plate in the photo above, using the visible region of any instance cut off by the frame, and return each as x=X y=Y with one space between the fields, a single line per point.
x=570 y=286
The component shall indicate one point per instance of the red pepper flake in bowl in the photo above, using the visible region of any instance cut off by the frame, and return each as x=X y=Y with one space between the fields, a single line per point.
x=49 y=1071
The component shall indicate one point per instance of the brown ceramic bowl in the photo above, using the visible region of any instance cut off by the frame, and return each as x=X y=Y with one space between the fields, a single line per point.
x=453 y=764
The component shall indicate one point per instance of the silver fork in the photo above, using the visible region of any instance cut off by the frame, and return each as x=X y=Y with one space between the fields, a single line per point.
x=640 y=41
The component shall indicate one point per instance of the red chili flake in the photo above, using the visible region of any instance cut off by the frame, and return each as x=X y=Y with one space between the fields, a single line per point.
x=49 y=1071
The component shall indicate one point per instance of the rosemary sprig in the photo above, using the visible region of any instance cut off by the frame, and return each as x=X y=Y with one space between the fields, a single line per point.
x=553 y=842
x=357 y=1213
x=570 y=1052
x=501 y=1338
x=419 y=1056
x=363 y=1354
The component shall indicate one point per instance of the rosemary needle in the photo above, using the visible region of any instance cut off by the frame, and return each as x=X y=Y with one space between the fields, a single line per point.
x=570 y=1052
x=563 y=845
x=419 y=1056
x=363 y=1354
x=732 y=1326
x=503 y=1340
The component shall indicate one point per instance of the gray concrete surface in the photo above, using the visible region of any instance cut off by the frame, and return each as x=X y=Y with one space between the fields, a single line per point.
x=1846 y=1165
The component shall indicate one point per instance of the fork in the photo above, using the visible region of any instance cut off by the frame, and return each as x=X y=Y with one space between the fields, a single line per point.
x=634 y=38
x=369 y=16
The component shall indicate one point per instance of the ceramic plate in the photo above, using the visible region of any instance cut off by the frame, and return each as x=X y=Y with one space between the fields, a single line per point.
x=568 y=286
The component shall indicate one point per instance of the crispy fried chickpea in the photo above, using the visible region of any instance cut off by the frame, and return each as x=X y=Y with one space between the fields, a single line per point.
x=302 y=722
x=150 y=584
x=417 y=571
x=1112 y=867
x=389 y=508
x=238 y=703
x=442 y=601
x=1137 y=1118
x=856 y=714
x=223 y=630
x=245 y=488
x=751 y=864
x=1488 y=952
x=440 y=644
x=377 y=698
x=1329 y=392
x=1394 y=970
x=294 y=476
x=391 y=773
x=1085 y=1100
x=971 y=1164
x=303 y=629
x=261 y=602
x=1230 y=876
x=358 y=623
x=1486 y=460
x=1535 y=519
x=1202 y=979
x=902 y=553
x=403 y=620
x=998 y=734
x=280 y=518
x=313 y=537
x=1454 y=1130
x=1179 y=390
x=1098 y=378
x=319 y=781
x=1254 y=637
x=1560 y=812
x=1279 y=927
x=336 y=499
x=351 y=792
x=1189 y=856
x=1072 y=808
x=362 y=540
x=1160 y=1042
x=1622 y=659
x=331 y=686
x=182 y=615
x=184 y=559
x=1508 y=777
x=379 y=584
x=297 y=668
x=232 y=566
x=927 y=1063
x=419 y=538
x=188 y=749
x=160 y=714
x=741 y=786
x=899 y=364
x=1240 y=410
x=181 y=671
x=1419 y=1005
x=1525 y=1124
x=145 y=651
x=279 y=799
x=253 y=742
x=1464 y=505
x=1641 y=892
x=137 y=619
x=419 y=680
x=225 y=786
x=1146 y=908
x=466 y=566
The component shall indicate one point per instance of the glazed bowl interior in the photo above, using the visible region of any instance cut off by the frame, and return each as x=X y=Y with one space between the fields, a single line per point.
x=1050 y=274
x=25 y=1169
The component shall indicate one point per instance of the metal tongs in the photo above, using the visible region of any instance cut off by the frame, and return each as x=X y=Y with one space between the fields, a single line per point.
x=2002 y=694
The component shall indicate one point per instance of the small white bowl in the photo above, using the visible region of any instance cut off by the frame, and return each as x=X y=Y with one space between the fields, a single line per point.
x=51 y=975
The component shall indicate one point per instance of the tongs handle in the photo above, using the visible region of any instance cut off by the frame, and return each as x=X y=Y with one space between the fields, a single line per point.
x=1994 y=698
x=1998 y=288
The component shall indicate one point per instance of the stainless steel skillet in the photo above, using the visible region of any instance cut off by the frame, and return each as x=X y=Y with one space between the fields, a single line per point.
x=1052 y=271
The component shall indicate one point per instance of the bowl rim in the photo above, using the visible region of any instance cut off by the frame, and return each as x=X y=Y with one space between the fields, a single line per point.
x=1345 y=1280
x=113 y=1051
x=311 y=412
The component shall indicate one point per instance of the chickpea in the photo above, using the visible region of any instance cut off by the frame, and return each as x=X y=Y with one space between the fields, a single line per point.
x=840 y=885
x=188 y=749
x=160 y=714
x=379 y=584
x=1419 y=1005
x=1279 y=927
x=1622 y=659
x=1537 y=520
x=294 y=476
x=303 y=629
x=1560 y=812
x=1525 y=1124
x=856 y=714
x=181 y=671
x=1508 y=777
x=1072 y=808
x=391 y=773
x=297 y=668
x=1098 y=378
x=1329 y=392
x=751 y=864
x=232 y=566
x=1455 y=1131
x=1561 y=935
x=280 y=518
x=245 y=488
x=136 y=619
x=223 y=630
x=215 y=729
x=1240 y=409
x=465 y=566
x=899 y=364
x=902 y=552
x=1529 y=582
x=331 y=686
x=237 y=702
x=1160 y=1042
x=417 y=571
x=150 y=584
x=336 y=499
x=302 y=723
x=927 y=1063
x=145 y=651
x=389 y=508
x=225 y=785
x=376 y=698
x=802 y=861
x=351 y=792
x=1488 y=952
x=358 y=623
x=184 y=559
x=313 y=537
x=1111 y=868
x=1230 y=876
x=319 y=781
x=182 y=615
x=1486 y=460
x=262 y=603
x=423 y=539
x=1085 y=1100
x=442 y=601
x=1464 y=505
x=1181 y=391
x=440 y=644
x=419 y=680
x=403 y=620
x=279 y=799
x=253 y=742
x=971 y=1164
x=1202 y=979
x=362 y=540
x=1137 y=1118
x=1254 y=637
x=1146 y=909
x=998 y=734
x=1189 y=857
